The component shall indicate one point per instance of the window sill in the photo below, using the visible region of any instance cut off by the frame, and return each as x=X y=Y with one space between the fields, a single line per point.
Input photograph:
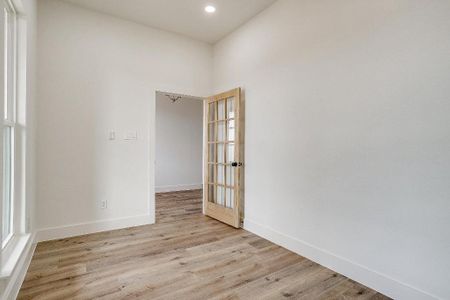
x=12 y=253
x=6 y=241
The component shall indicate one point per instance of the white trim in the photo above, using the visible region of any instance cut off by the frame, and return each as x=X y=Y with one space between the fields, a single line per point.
x=178 y=187
x=6 y=241
x=11 y=119
x=14 y=282
x=11 y=254
x=52 y=233
x=373 y=279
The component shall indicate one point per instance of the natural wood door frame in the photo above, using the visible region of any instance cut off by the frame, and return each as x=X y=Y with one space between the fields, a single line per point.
x=227 y=212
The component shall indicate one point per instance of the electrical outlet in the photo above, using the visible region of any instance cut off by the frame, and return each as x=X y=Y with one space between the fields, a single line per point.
x=104 y=204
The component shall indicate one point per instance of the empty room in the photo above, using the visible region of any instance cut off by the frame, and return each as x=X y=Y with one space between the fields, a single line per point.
x=225 y=149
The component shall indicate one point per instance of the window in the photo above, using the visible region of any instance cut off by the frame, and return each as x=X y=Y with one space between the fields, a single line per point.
x=9 y=45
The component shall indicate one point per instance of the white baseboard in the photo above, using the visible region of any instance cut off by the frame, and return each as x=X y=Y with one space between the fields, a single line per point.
x=375 y=280
x=15 y=281
x=53 y=233
x=178 y=187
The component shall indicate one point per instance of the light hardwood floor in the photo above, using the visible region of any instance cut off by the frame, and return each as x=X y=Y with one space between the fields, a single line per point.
x=185 y=255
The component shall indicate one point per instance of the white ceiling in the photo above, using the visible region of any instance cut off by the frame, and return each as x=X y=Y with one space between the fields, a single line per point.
x=185 y=17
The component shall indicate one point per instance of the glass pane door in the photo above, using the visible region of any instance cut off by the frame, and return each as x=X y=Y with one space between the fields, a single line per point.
x=221 y=153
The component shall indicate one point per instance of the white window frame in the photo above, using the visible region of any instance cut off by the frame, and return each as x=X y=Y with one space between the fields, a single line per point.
x=21 y=240
x=10 y=102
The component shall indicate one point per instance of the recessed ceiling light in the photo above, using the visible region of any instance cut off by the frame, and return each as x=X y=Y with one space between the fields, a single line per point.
x=210 y=9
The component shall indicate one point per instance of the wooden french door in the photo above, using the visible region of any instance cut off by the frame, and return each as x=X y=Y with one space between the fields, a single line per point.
x=221 y=198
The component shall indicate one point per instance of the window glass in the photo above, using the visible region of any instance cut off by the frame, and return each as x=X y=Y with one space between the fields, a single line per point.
x=7 y=188
x=8 y=21
x=9 y=48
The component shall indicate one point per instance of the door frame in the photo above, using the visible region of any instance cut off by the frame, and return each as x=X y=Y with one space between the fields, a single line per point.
x=150 y=216
x=151 y=203
x=200 y=101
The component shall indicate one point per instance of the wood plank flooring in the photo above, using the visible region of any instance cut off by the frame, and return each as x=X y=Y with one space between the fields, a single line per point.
x=185 y=255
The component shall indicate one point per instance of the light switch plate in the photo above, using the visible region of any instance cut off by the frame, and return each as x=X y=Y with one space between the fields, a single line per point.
x=131 y=135
x=112 y=135
x=104 y=204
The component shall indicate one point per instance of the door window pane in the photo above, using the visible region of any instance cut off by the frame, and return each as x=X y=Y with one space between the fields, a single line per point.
x=220 y=195
x=221 y=131
x=230 y=153
x=230 y=108
x=220 y=174
x=211 y=133
x=211 y=193
x=221 y=110
x=212 y=111
x=212 y=152
x=230 y=176
x=211 y=172
x=230 y=198
x=221 y=153
x=231 y=130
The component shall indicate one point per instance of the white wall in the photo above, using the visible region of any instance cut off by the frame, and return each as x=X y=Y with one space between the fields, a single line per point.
x=98 y=73
x=179 y=143
x=347 y=128
x=348 y=135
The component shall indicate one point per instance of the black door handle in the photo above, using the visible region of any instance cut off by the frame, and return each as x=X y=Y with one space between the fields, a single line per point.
x=236 y=164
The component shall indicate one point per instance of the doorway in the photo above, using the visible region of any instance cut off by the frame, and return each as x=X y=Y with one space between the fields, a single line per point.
x=199 y=156
x=179 y=156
